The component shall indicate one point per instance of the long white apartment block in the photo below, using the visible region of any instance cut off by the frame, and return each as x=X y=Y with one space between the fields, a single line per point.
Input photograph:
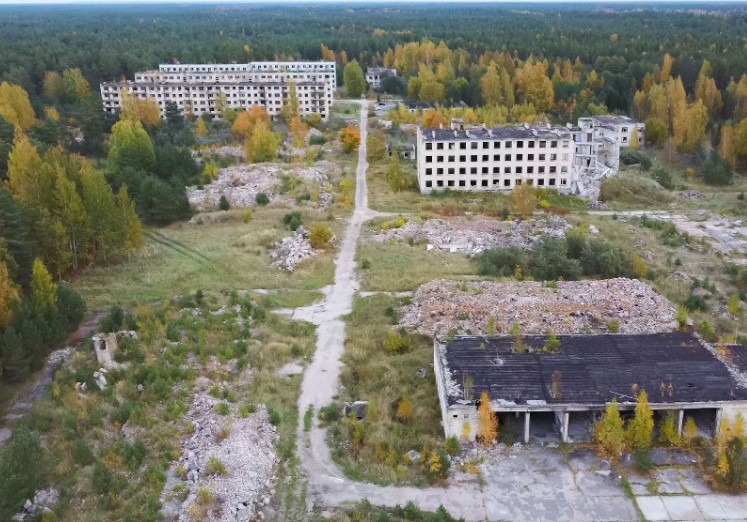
x=494 y=159
x=195 y=88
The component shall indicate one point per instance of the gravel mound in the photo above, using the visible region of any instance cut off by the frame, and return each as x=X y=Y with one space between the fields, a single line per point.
x=473 y=237
x=241 y=184
x=248 y=454
x=574 y=307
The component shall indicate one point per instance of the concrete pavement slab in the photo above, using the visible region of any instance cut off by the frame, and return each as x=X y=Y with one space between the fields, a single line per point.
x=653 y=508
x=681 y=507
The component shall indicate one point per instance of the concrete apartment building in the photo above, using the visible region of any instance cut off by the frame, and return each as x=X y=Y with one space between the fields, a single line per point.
x=195 y=87
x=599 y=139
x=374 y=75
x=501 y=158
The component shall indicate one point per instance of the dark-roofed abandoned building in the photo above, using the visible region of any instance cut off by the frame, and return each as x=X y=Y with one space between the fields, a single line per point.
x=543 y=394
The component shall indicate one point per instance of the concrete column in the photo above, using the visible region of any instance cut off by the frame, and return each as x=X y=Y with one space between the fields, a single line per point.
x=680 y=419
x=526 y=427
x=566 y=418
x=717 y=427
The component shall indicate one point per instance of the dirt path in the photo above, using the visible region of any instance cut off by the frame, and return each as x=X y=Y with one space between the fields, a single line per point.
x=328 y=486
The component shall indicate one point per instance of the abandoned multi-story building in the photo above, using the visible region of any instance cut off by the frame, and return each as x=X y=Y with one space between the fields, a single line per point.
x=195 y=88
x=501 y=158
x=544 y=394
x=568 y=159
x=374 y=75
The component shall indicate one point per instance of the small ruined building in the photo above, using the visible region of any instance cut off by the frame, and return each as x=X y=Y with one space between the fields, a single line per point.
x=105 y=346
x=201 y=88
x=544 y=395
x=569 y=159
x=374 y=75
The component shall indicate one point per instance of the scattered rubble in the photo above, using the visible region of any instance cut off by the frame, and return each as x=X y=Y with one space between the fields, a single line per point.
x=290 y=251
x=692 y=194
x=230 y=151
x=247 y=453
x=597 y=205
x=573 y=307
x=473 y=237
x=44 y=500
x=241 y=184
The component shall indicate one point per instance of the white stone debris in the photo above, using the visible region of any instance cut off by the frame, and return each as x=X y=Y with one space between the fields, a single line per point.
x=473 y=237
x=247 y=452
x=241 y=184
x=44 y=500
x=573 y=307
x=290 y=251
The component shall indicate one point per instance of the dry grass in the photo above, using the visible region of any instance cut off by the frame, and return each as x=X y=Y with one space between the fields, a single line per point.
x=370 y=374
x=214 y=256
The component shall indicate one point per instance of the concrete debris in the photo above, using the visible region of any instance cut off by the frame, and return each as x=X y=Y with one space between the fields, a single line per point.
x=290 y=251
x=100 y=378
x=574 y=307
x=230 y=151
x=289 y=370
x=692 y=194
x=241 y=184
x=44 y=500
x=247 y=452
x=597 y=205
x=473 y=237
x=679 y=276
x=5 y=434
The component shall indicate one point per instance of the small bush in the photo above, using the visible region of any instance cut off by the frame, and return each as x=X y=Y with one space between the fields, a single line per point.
x=223 y=203
x=707 y=331
x=365 y=264
x=330 y=413
x=274 y=417
x=451 y=446
x=635 y=157
x=292 y=220
x=320 y=235
x=81 y=453
x=261 y=199
x=214 y=466
x=221 y=408
x=642 y=460
x=246 y=216
x=613 y=326
x=397 y=342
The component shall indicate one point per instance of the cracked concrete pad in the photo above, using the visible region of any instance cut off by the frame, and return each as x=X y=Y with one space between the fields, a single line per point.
x=593 y=485
x=693 y=482
x=682 y=508
x=653 y=508
x=609 y=509
x=710 y=507
x=733 y=506
x=668 y=481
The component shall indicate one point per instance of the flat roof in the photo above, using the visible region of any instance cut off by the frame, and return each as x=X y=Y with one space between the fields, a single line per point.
x=589 y=369
x=611 y=119
x=498 y=133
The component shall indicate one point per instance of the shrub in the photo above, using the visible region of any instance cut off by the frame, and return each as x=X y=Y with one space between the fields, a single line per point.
x=221 y=408
x=365 y=264
x=668 y=431
x=632 y=188
x=501 y=262
x=246 y=215
x=451 y=446
x=81 y=453
x=214 y=466
x=261 y=199
x=223 y=203
x=21 y=470
x=706 y=330
x=397 y=342
x=608 y=433
x=663 y=177
x=274 y=417
x=696 y=302
x=292 y=220
x=716 y=170
x=635 y=157
x=316 y=140
x=682 y=318
x=642 y=460
x=320 y=235
x=404 y=410
x=613 y=326
x=330 y=413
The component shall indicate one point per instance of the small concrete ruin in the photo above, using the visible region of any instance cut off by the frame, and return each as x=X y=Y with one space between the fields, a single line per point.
x=290 y=251
x=105 y=346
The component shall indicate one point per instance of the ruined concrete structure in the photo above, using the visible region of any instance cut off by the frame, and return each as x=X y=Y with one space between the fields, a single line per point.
x=105 y=345
x=374 y=75
x=197 y=88
x=570 y=159
x=540 y=393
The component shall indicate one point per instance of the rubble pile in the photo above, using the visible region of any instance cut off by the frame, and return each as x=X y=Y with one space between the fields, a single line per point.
x=241 y=184
x=42 y=504
x=290 y=251
x=573 y=307
x=230 y=151
x=248 y=454
x=473 y=237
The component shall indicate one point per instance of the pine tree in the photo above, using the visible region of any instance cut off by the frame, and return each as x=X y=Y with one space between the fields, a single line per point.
x=487 y=422
x=608 y=432
x=10 y=295
x=640 y=428
x=15 y=359
x=43 y=289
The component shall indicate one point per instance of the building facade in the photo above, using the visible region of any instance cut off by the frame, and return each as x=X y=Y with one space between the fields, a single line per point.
x=197 y=88
x=374 y=75
x=497 y=159
x=618 y=129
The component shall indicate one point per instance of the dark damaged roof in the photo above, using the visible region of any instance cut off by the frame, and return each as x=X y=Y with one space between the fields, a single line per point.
x=498 y=133
x=590 y=369
x=611 y=119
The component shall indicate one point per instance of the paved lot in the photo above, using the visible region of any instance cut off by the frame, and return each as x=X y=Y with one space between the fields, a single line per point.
x=680 y=494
